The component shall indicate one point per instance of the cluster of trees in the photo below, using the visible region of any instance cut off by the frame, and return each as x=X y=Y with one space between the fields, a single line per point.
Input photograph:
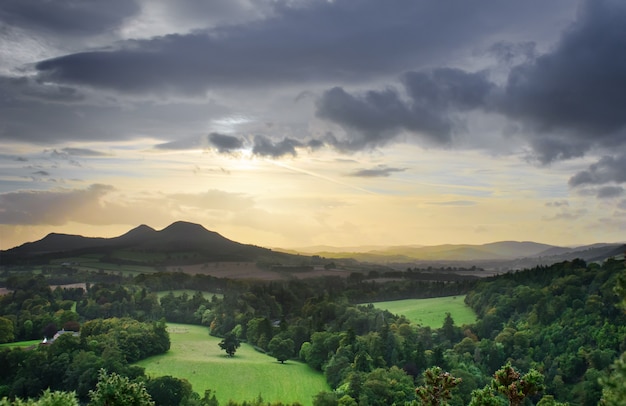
x=71 y=363
x=564 y=322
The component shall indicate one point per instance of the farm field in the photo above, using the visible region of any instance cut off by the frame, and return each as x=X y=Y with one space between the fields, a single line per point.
x=431 y=312
x=196 y=356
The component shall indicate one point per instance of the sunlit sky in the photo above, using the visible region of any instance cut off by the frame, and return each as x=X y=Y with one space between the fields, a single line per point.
x=292 y=123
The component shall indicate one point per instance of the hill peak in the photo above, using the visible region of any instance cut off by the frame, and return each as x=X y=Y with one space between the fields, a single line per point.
x=184 y=227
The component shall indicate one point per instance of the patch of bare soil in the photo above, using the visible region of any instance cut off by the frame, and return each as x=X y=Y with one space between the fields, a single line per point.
x=4 y=291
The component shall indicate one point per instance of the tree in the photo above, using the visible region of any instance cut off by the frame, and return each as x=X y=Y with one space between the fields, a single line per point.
x=117 y=390
x=281 y=348
x=516 y=387
x=47 y=398
x=6 y=330
x=437 y=388
x=169 y=391
x=230 y=343
x=485 y=397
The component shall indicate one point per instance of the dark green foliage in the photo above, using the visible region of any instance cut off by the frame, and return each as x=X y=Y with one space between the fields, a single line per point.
x=437 y=387
x=516 y=387
x=281 y=347
x=230 y=343
x=169 y=391
x=115 y=390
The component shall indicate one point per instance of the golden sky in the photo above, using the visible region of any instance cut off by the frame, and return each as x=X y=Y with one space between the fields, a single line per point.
x=299 y=123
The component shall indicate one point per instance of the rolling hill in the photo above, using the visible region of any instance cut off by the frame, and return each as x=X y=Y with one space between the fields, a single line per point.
x=208 y=246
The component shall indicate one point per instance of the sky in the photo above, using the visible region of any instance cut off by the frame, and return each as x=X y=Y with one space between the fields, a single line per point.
x=292 y=123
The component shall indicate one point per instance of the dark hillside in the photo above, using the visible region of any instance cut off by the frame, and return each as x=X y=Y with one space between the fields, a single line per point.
x=207 y=246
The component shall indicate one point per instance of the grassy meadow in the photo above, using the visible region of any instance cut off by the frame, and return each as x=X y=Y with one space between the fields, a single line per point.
x=24 y=344
x=196 y=356
x=431 y=312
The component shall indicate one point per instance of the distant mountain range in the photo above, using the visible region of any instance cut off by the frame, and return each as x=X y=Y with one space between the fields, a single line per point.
x=209 y=246
x=503 y=254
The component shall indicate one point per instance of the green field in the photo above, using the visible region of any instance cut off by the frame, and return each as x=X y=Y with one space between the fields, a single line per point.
x=196 y=356
x=431 y=312
x=29 y=343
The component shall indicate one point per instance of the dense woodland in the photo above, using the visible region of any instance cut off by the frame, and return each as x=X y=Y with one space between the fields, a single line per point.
x=560 y=327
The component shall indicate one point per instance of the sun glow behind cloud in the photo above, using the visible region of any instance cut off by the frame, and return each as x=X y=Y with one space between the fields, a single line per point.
x=279 y=124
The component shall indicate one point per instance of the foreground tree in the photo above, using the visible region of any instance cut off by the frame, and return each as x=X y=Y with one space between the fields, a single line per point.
x=48 y=398
x=437 y=388
x=117 y=390
x=230 y=343
x=516 y=387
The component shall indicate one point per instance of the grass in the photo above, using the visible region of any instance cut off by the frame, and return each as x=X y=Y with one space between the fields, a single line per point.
x=431 y=312
x=29 y=343
x=196 y=356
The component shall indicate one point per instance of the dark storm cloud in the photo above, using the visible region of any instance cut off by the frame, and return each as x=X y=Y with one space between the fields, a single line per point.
x=380 y=171
x=606 y=170
x=225 y=143
x=434 y=97
x=43 y=113
x=67 y=17
x=568 y=100
x=25 y=88
x=263 y=146
x=573 y=97
x=607 y=192
x=329 y=41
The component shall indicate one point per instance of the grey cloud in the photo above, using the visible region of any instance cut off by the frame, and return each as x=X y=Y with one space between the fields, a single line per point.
x=447 y=88
x=607 y=169
x=185 y=143
x=607 y=192
x=83 y=152
x=376 y=117
x=509 y=53
x=568 y=100
x=225 y=143
x=575 y=91
x=559 y=203
x=53 y=120
x=263 y=146
x=54 y=207
x=41 y=173
x=622 y=205
x=567 y=215
x=68 y=17
x=25 y=88
x=380 y=171
x=303 y=41
x=460 y=203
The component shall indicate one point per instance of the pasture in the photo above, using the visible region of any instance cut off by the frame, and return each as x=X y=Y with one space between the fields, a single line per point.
x=196 y=356
x=432 y=311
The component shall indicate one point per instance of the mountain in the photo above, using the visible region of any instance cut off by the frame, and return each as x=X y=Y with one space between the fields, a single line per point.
x=178 y=237
x=502 y=255
x=456 y=252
